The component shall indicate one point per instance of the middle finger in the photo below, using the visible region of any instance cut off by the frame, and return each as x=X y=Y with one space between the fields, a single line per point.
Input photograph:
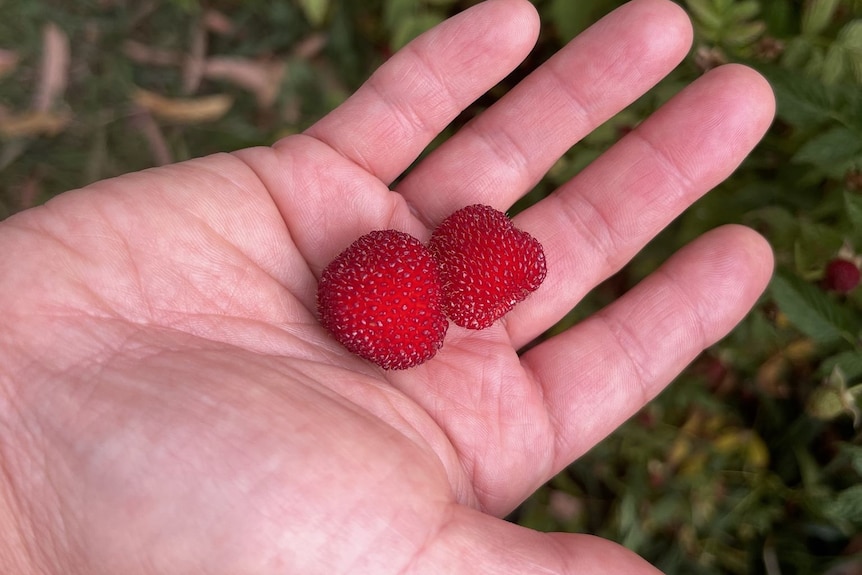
x=505 y=151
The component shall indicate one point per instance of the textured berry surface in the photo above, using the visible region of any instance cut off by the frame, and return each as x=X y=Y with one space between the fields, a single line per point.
x=381 y=299
x=486 y=265
x=841 y=276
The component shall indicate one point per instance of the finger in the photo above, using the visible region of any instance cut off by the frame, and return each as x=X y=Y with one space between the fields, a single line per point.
x=327 y=183
x=596 y=222
x=597 y=374
x=385 y=125
x=471 y=542
x=506 y=150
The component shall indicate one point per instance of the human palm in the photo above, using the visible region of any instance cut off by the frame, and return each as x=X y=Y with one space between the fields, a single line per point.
x=170 y=403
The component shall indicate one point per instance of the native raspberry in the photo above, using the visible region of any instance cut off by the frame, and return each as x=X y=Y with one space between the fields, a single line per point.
x=841 y=275
x=381 y=299
x=486 y=265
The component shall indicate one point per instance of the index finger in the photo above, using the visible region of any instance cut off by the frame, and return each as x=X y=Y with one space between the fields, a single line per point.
x=387 y=123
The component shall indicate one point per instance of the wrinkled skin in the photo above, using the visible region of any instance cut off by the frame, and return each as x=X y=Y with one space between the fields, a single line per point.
x=170 y=404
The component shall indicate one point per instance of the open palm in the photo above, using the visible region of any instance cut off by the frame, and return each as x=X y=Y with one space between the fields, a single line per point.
x=170 y=404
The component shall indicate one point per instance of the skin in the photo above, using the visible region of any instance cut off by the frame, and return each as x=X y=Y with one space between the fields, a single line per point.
x=169 y=403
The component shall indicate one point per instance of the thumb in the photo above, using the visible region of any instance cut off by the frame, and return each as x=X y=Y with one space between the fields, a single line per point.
x=475 y=543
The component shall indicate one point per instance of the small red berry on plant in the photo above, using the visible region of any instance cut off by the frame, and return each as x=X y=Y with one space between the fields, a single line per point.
x=381 y=299
x=841 y=275
x=486 y=265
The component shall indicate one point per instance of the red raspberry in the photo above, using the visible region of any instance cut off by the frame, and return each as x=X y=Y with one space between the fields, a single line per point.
x=486 y=265
x=381 y=299
x=841 y=276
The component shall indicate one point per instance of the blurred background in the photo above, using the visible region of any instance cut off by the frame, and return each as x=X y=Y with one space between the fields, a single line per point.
x=751 y=461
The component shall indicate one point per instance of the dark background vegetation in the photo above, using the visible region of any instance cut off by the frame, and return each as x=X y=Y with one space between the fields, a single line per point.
x=751 y=461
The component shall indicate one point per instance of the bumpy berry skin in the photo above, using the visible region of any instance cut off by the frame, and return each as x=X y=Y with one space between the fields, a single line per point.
x=841 y=276
x=486 y=265
x=381 y=299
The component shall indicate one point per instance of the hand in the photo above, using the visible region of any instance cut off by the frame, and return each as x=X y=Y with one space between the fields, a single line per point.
x=170 y=404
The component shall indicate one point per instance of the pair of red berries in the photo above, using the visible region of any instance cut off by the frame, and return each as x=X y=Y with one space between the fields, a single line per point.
x=387 y=296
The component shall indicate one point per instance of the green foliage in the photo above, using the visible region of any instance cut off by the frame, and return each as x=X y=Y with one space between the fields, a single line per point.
x=750 y=462
x=406 y=19
x=315 y=10
x=813 y=312
x=727 y=23
x=571 y=18
x=834 y=58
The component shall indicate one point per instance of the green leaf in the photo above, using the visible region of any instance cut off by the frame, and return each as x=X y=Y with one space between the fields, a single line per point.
x=315 y=10
x=745 y=10
x=854 y=454
x=853 y=206
x=847 y=505
x=411 y=27
x=815 y=243
x=817 y=15
x=187 y=5
x=801 y=100
x=834 y=64
x=856 y=67
x=703 y=11
x=396 y=11
x=805 y=101
x=781 y=17
x=851 y=34
x=571 y=18
x=832 y=148
x=849 y=362
x=745 y=34
x=812 y=311
x=797 y=52
x=850 y=40
x=779 y=223
x=814 y=66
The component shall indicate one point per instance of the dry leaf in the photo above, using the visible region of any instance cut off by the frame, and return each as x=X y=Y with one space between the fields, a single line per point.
x=772 y=376
x=151 y=131
x=263 y=79
x=183 y=110
x=291 y=111
x=35 y=123
x=217 y=23
x=195 y=60
x=310 y=46
x=54 y=71
x=8 y=61
x=564 y=506
x=143 y=54
x=29 y=192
